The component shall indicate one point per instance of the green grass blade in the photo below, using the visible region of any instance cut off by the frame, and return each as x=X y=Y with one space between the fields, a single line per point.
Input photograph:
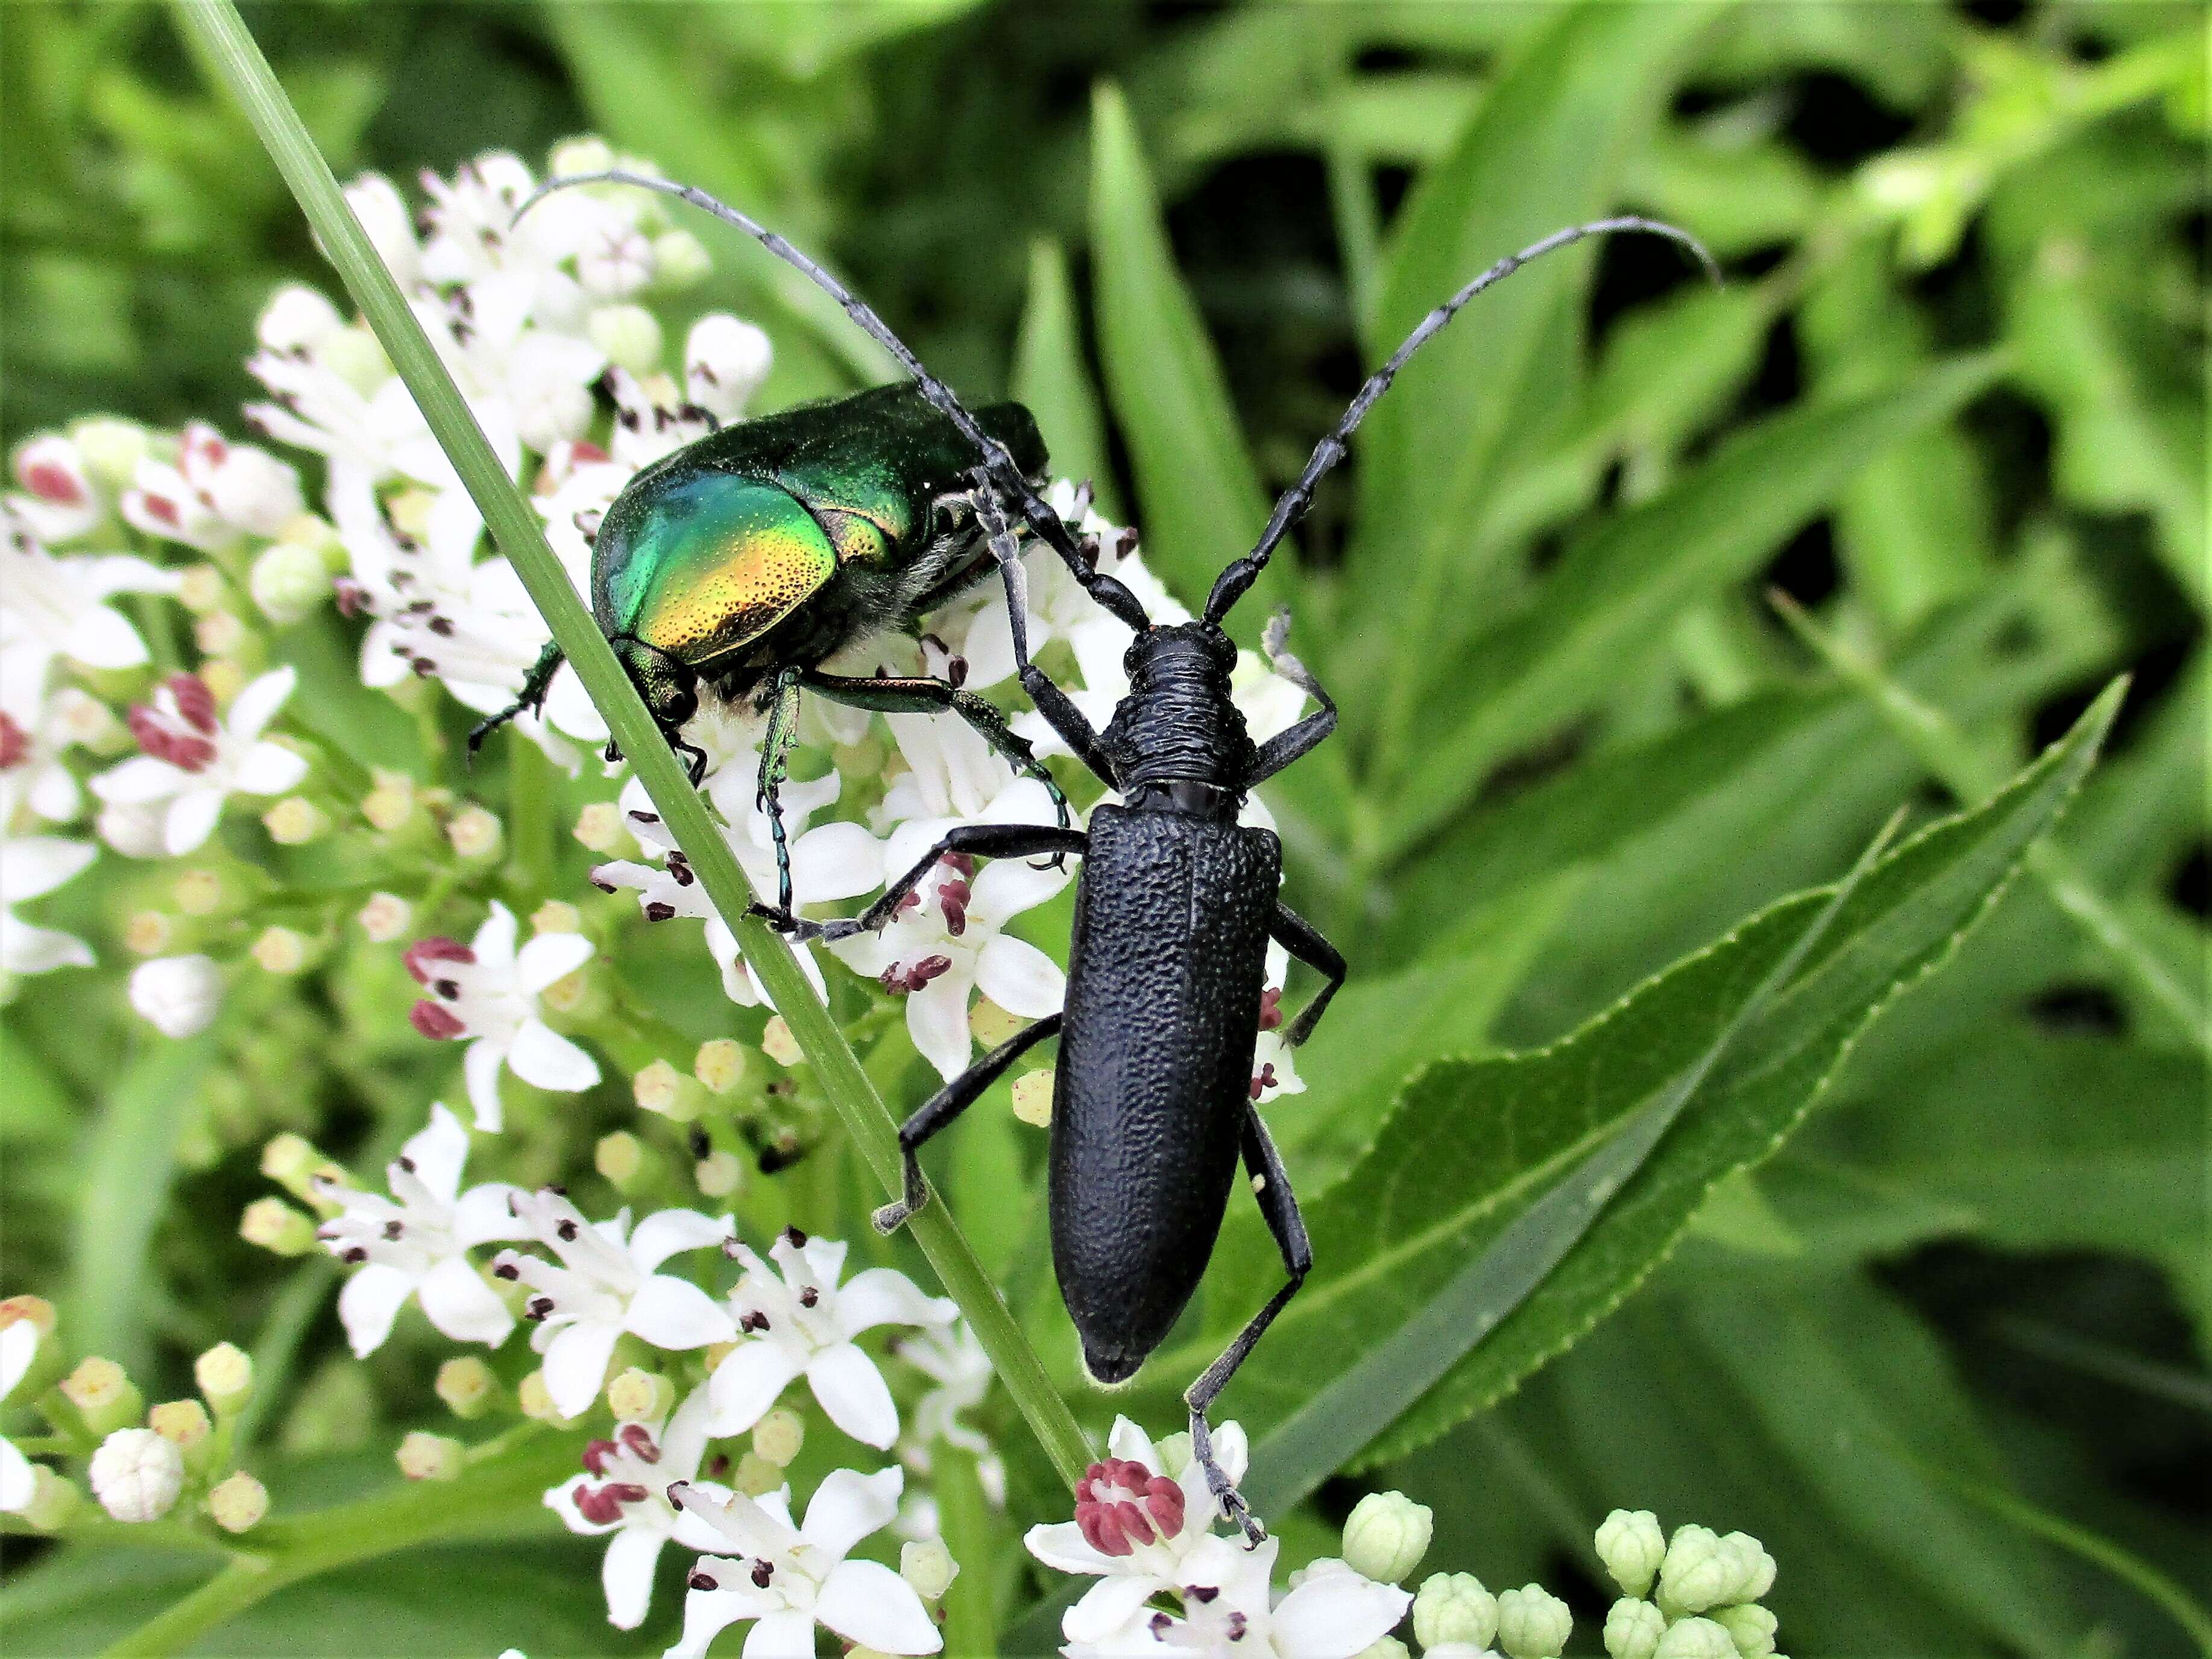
x=1200 y=493
x=223 y=41
x=1050 y=377
x=1605 y=604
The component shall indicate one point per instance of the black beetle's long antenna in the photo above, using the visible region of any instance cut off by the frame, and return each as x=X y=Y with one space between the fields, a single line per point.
x=999 y=464
x=1231 y=584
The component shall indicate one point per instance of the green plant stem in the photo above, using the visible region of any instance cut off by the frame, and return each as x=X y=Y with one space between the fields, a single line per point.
x=285 y=1551
x=220 y=38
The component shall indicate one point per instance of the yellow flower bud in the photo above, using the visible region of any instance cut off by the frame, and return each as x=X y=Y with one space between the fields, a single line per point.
x=476 y=834
x=385 y=917
x=720 y=1066
x=238 y=1504
x=756 y=1476
x=294 y=821
x=281 y=951
x=779 y=1434
x=149 y=934
x=183 y=1423
x=468 y=1387
x=778 y=1043
x=555 y=916
x=199 y=892
x=928 y=1567
x=225 y=1374
x=660 y=1087
x=425 y=1457
x=104 y=1396
x=1032 y=1093
x=640 y=1396
x=276 y=1227
x=720 y=1174
x=599 y=828
x=201 y=590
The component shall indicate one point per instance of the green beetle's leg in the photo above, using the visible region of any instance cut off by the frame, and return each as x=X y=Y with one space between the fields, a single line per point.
x=1055 y=704
x=923 y=694
x=532 y=696
x=782 y=706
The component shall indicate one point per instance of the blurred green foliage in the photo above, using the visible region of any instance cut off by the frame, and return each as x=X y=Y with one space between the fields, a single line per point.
x=1950 y=401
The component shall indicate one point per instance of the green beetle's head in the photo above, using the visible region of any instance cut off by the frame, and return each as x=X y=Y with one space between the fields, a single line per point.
x=669 y=690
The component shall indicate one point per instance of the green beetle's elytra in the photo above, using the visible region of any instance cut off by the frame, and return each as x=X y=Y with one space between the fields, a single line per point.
x=746 y=559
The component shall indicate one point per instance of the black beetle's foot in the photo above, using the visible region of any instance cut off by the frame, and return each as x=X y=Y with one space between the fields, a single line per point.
x=798 y=927
x=1234 y=1508
x=892 y=1217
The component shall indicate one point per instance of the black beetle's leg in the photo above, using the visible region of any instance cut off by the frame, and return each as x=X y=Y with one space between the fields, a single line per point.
x=1303 y=941
x=990 y=841
x=532 y=696
x=924 y=694
x=1058 y=709
x=1286 y=746
x=1278 y=1206
x=775 y=756
x=947 y=1103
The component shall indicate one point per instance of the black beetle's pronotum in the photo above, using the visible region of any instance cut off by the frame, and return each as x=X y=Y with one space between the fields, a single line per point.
x=1153 y=1105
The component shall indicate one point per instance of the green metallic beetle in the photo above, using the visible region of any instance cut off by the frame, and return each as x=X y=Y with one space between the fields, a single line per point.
x=744 y=560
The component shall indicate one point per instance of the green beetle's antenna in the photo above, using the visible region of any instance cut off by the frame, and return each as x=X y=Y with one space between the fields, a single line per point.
x=1292 y=504
x=998 y=464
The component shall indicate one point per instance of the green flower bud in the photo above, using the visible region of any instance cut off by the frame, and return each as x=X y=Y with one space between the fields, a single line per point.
x=660 y=1088
x=1533 y=1623
x=1750 y=1627
x=756 y=1477
x=1453 y=1607
x=571 y=156
x=679 y=260
x=110 y=448
x=929 y=1566
x=288 y=582
x=630 y=335
x=1703 y=1570
x=1631 y=1546
x=720 y=1066
x=1694 y=1639
x=1386 y=1536
x=54 y=1501
x=1633 y=1629
x=1384 y=1647
x=275 y=1226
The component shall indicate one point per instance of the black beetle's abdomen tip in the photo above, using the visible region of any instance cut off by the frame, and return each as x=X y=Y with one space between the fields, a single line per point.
x=1111 y=1367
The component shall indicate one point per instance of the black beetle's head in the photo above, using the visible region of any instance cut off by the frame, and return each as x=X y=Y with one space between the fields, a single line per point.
x=1196 y=650
x=670 y=688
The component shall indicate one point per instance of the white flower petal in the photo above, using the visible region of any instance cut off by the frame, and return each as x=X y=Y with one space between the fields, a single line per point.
x=368 y=1305
x=437 y=1152
x=848 y=1505
x=1062 y=1545
x=665 y=1233
x=256 y=705
x=1126 y=1441
x=494 y=944
x=576 y=1364
x=836 y=862
x=852 y=1393
x=19 y=1341
x=482 y=1063
x=746 y=1384
x=138 y=780
x=867 y=1602
x=1020 y=978
x=707 y=1614
x=192 y=819
x=684 y=1441
x=673 y=1313
x=19 y=1481
x=1334 y=1615
x=268 y=769
x=460 y=1304
x=484 y=1214
x=626 y=1575
x=884 y=1296
x=101 y=638
x=782 y=1634
x=1004 y=888
x=937 y=1019
x=1109 y=1604
x=542 y=1056
x=547 y=958
x=31 y=866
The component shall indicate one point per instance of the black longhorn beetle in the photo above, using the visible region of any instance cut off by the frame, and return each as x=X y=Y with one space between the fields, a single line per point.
x=1152 y=1104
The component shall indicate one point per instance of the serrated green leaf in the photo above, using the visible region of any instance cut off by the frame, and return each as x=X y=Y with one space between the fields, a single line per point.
x=1198 y=493
x=1050 y=377
x=1472 y=1146
x=1603 y=608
